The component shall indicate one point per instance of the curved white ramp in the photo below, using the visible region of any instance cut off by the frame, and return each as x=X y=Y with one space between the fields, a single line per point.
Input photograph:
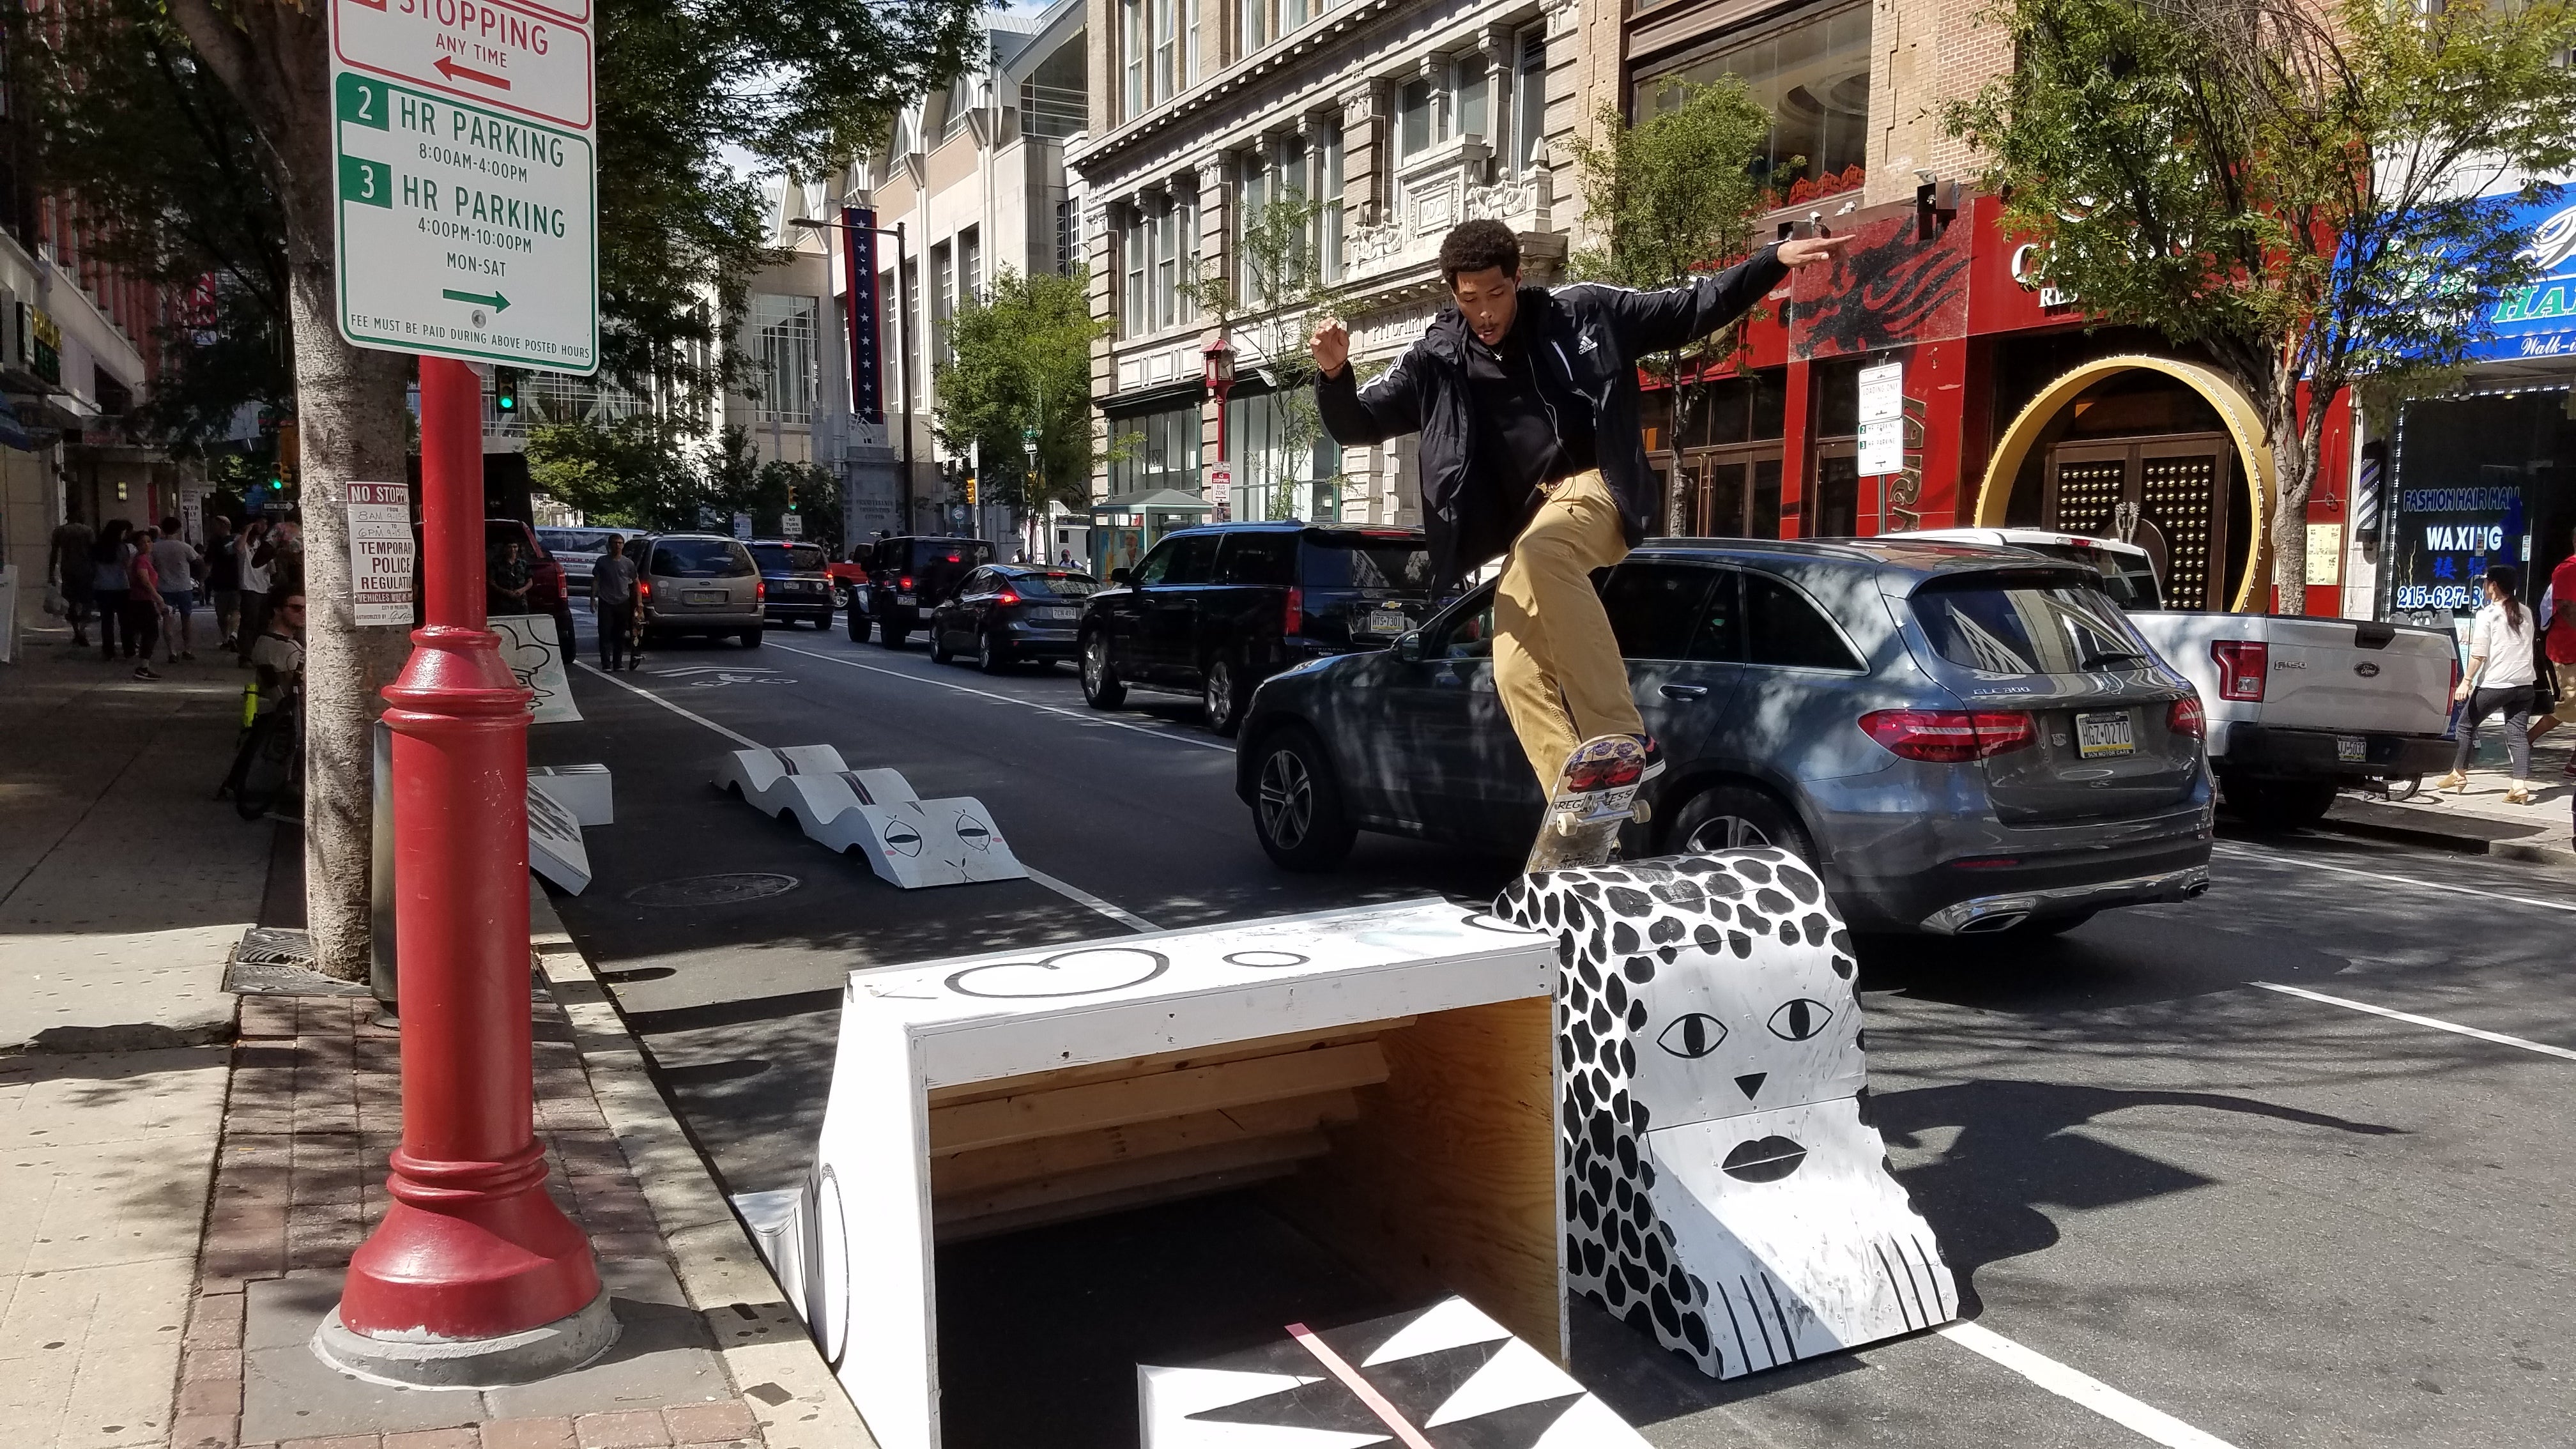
x=909 y=841
x=1724 y=1189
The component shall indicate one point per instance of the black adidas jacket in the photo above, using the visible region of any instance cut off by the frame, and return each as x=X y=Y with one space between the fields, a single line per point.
x=1590 y=335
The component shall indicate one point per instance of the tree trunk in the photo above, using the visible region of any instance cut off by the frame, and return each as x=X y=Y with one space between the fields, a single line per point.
x=2294 y=459
x=272 y=55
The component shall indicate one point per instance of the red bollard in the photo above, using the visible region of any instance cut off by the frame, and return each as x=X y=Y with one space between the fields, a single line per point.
x=474 y=1276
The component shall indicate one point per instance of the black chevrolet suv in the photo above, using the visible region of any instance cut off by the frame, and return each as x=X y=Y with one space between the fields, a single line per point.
x=1214 y=611
x=906 y=579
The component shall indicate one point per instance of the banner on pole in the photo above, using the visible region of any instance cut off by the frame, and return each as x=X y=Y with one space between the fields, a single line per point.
x=859 y=254
x=380 y=553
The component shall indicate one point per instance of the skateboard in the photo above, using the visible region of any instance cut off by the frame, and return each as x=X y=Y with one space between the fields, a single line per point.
x=1592 y=797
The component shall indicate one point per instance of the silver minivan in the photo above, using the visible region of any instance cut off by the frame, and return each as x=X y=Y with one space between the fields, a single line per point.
x=1961 y=739
x=699 y=583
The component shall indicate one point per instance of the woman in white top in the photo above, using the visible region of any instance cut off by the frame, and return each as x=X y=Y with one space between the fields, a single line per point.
x=2503 y=675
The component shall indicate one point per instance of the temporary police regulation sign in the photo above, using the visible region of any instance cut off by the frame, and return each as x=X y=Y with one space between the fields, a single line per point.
x=468 y=192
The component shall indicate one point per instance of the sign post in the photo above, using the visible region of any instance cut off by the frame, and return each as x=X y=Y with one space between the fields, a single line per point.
x=1882 y=420
x=466 y=233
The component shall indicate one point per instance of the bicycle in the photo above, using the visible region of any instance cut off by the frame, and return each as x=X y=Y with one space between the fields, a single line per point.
x=269 y=766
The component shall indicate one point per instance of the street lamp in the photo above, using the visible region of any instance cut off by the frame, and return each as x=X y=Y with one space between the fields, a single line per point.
x=903 y=323
x=1216 y=361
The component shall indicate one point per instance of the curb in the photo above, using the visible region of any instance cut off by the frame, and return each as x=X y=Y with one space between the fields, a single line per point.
x=776 y=1367
x=2434 y=838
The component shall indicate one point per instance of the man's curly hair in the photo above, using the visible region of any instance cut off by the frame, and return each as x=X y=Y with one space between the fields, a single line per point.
x=1473 y=246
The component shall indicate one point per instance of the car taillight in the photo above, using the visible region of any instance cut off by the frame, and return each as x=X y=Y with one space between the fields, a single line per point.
x=1006 y=597
x=1295 y=620
x=2186 y=717
x=759 y=590
x=644 y=588
x=905 y=583
x=1949 y=736
x=2242 y=663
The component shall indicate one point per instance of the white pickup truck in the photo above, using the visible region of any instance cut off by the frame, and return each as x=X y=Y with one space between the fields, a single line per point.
x=2297 y=707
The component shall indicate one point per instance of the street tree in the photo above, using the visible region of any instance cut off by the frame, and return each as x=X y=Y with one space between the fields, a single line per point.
x=1266 y=310
x=2311 y=195
x=1020 y=362
x=1673 y=194
x=683 y=85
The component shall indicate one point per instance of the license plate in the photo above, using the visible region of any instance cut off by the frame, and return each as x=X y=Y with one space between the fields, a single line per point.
x=2352 y=749
x=1387 y=621
x=703 y=596
x=2098 y=735
x=903 y=598
x=1055 y=616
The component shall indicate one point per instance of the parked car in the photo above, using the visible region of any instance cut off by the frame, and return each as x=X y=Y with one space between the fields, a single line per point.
x=797 y=590
x=579 y=550
x=2299 y=708
x=699 y=583
x=902 y=578
x=1960 y=739
x=1005 y=613
x=547 y=590
x=1214 y=611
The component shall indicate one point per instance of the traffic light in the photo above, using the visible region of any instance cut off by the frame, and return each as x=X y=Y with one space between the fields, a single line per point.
x=505 y=391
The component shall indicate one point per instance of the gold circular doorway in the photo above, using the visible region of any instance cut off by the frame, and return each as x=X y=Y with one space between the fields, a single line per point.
x=2236 y=411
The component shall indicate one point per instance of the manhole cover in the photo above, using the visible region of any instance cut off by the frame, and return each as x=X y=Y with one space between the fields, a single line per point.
x=275 y=961
x=712 y=890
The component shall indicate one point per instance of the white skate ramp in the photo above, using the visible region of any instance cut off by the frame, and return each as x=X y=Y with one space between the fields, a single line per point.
x=909 y=841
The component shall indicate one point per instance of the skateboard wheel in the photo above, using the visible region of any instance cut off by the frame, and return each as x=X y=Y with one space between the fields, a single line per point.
x=1641 y=812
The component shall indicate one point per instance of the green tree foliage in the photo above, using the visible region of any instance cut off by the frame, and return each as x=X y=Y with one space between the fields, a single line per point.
x=2307 y=194
x=1671 y=195
x=1267 y=309
x=643 y=471
x=1020 y=358
x=734 y=478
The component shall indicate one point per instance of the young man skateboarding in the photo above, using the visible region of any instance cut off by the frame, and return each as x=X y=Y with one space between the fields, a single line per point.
x=1526 y=400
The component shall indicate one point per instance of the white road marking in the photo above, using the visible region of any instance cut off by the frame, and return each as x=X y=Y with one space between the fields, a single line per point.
x=746 y=741
x=2430 y=885
x=2142 y=1419
x=1082 y=716
x=2544 y=1048
x=1075 y=894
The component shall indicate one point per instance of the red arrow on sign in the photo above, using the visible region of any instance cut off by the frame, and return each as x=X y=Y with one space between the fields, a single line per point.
x=453 y=71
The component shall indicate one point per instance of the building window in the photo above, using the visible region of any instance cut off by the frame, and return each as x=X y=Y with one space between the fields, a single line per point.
x=1812 y=74
x=1330 y=219
x=1417 y=118
x=1055 y=100
x=970 y=263
x=1167 y=48
x=1063 y=238
x=1131 y=57
x=1161 y=261
x=1474 y=90
x=943 y=298
x=1292 y=13
x=1155 y=450
x=1132 y=318
x=1529 y=102
x=1285 y=465
x=782 y=357
x=1192 y=61
x=1252 y=20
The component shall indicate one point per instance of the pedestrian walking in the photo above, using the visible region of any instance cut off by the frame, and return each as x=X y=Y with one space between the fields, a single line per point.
x=178 y=563
x=223 y=581
x=612 y=604
x=143 y=605
x=505 y=580
x=68 y=568
x=1526 y=400
x=107 y=585
x=2501 y=678
x=254 y=552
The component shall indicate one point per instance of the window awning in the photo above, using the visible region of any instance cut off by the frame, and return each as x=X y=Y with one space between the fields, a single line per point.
x=1153 y=500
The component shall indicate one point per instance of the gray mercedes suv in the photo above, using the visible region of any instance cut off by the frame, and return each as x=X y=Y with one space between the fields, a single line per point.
x=1961 y=738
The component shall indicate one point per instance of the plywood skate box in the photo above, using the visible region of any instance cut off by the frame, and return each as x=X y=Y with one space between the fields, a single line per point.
x=1387 y=1075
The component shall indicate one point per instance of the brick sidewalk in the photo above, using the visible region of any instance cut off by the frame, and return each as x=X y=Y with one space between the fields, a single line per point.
x=315 y=1106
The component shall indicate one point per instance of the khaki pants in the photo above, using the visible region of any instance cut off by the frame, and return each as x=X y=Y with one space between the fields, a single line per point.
x=1556 y=664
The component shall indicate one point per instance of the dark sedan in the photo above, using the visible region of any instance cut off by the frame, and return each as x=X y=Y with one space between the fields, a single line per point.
x=798 y=592
x=1005 y=613
x=1961 y=739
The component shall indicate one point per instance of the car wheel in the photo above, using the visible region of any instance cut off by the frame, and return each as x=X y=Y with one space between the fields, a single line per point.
x=1101 y=688
x=989 y=656
x=750 y=638
x=1297 y=804
x=2278 y=804
x=1222 y=696
x=939 y=651
x=1737 y=817
x=858 y=627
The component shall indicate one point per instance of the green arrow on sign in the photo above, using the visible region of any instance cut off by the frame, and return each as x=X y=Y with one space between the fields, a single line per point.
x=496 y=301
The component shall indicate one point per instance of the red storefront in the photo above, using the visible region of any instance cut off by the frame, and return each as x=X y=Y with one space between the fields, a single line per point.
x=2014 y=414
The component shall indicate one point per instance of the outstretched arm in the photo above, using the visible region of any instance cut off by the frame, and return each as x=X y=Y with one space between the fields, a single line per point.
x=1678 y=316
x=1355 y=415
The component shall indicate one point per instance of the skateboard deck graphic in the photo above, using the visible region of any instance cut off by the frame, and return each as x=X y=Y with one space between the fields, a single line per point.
x=1592 y=797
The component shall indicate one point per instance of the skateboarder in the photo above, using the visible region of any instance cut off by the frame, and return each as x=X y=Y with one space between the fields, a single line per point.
x=1526 y=400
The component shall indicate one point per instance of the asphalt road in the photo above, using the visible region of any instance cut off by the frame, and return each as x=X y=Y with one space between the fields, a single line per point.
x=2256 y=1217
